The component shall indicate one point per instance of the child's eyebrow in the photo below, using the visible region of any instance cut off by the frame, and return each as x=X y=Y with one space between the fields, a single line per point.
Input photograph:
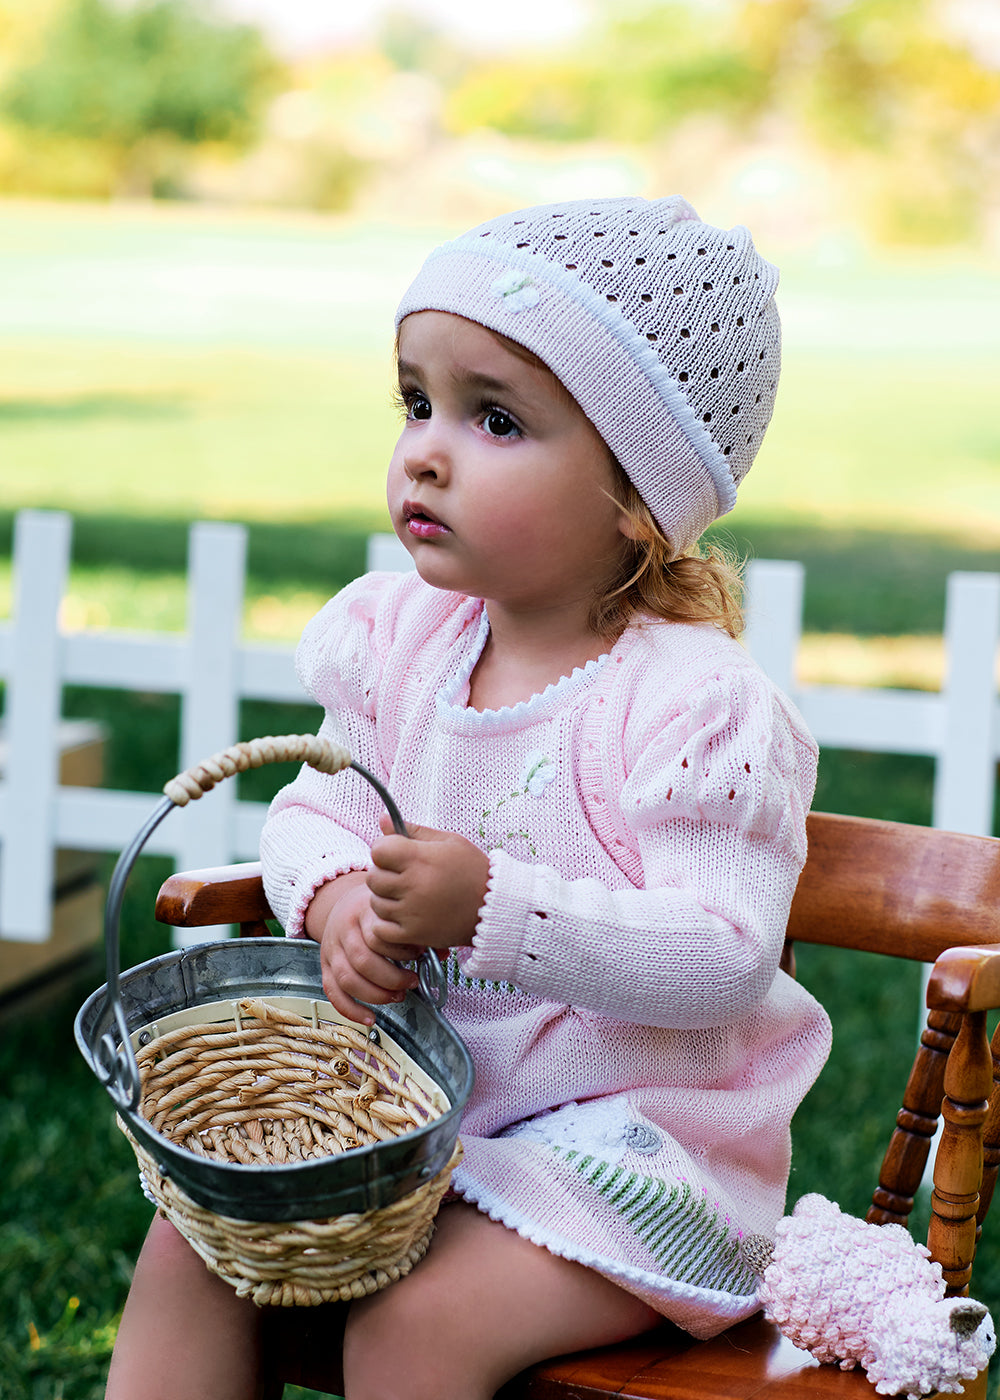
x=470 y=379
x=464 y=378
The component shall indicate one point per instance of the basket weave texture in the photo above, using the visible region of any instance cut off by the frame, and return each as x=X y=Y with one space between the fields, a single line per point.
x=270 y=1087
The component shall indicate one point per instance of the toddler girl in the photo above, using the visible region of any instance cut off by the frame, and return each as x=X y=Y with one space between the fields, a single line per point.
x=609 y=801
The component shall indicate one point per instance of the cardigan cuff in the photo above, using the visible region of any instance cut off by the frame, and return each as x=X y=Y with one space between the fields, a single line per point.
x=305 y=887
x=503 y=946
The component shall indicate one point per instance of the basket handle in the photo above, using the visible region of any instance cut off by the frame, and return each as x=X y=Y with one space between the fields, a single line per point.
x=115 y=1063
x=319 y=753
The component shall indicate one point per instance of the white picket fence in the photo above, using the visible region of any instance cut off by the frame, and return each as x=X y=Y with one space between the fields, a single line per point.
x=213 y=670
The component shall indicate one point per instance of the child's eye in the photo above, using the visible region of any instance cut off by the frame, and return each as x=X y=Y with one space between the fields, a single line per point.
x=412 y=403
x=500 y=424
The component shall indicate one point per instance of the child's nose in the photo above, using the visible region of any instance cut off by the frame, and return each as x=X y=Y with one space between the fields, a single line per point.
x=427 y=455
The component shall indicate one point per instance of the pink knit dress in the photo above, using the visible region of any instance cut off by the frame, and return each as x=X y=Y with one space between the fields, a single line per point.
x=638 y=1054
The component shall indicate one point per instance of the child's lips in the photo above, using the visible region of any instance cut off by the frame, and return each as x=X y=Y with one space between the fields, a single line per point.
x=422 y=523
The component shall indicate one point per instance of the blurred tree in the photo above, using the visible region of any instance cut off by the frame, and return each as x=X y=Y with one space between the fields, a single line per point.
x=412 y=43
x=20 y=22
x=143 y=81
x=908 y=108
x=409 y=42
x=639 y=73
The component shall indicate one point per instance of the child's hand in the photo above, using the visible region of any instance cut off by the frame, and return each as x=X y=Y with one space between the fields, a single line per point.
x=357 y=966
x=426 y=888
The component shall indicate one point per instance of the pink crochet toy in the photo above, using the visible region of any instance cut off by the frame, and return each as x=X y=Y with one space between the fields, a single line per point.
x=868 y=1295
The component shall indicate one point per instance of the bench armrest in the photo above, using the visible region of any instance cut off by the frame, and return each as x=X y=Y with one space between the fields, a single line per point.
x=223 y=894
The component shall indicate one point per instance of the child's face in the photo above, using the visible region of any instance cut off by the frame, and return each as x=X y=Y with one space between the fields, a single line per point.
x=498 y=482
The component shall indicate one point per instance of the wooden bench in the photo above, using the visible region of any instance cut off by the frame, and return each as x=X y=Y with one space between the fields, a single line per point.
x=911 y=892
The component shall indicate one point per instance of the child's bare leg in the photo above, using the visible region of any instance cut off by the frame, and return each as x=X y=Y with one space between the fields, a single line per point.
x=184 y=1334
x=483 y=1304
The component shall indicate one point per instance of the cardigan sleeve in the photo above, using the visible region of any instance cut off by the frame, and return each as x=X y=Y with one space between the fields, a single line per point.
x=714 y=802
x=322 y=825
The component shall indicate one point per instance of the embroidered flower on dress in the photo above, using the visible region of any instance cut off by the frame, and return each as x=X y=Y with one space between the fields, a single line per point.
x=518 y=291
x=539 y=771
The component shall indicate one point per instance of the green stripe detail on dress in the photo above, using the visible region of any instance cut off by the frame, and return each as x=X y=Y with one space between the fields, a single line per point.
x=688 y=1237
x=457 y=978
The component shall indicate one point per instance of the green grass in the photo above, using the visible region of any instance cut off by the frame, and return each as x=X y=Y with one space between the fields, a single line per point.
x=867 y=440
x=213 y=387
x=225 y=432
x=73 y=1215
x=174 y=364
x=194 y=432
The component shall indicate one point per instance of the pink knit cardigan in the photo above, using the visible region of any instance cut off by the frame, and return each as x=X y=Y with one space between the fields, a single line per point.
x=638 y=1054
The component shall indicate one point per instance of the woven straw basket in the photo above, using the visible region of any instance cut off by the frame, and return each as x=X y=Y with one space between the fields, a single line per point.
x=302 y=1156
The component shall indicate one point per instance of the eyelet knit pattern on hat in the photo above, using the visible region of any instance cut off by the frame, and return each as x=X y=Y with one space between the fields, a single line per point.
x=663 y=328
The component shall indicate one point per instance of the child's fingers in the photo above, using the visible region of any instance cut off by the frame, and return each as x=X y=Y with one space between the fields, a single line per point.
x=377 y=970
x=347 y=990
x=354 y=972
x=396 y=852
x=391 y=854
x=346 y=1005
x=385 y=938
x=343 y=1002
x=393 y=926
x=384 y=884
x=413 y=831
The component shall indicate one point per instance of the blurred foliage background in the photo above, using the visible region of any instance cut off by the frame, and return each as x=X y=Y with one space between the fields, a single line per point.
x=879 y=113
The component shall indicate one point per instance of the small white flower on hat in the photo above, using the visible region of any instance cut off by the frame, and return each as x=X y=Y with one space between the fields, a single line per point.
x=517 y=290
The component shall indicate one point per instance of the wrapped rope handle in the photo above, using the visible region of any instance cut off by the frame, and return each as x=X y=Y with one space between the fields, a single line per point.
x=319 y=753
x=254 y=753
x=116 y=1065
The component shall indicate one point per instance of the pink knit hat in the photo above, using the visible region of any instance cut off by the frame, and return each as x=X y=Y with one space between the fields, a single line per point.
x=663 y=328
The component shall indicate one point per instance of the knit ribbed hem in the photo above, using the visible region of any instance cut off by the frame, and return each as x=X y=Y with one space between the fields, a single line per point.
x=305 y=892
x=498 y=943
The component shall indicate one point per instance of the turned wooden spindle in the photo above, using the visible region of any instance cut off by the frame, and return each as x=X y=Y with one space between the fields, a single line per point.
x=991 y=1140
x=958 y=1166
x=905 y=1160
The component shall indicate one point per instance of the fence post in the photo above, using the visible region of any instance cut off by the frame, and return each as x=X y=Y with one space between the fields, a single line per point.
x=965 y=766
x=210 y=701
x=774 y=592
x=387 y=553
x=34 y=703
x=964 y=775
